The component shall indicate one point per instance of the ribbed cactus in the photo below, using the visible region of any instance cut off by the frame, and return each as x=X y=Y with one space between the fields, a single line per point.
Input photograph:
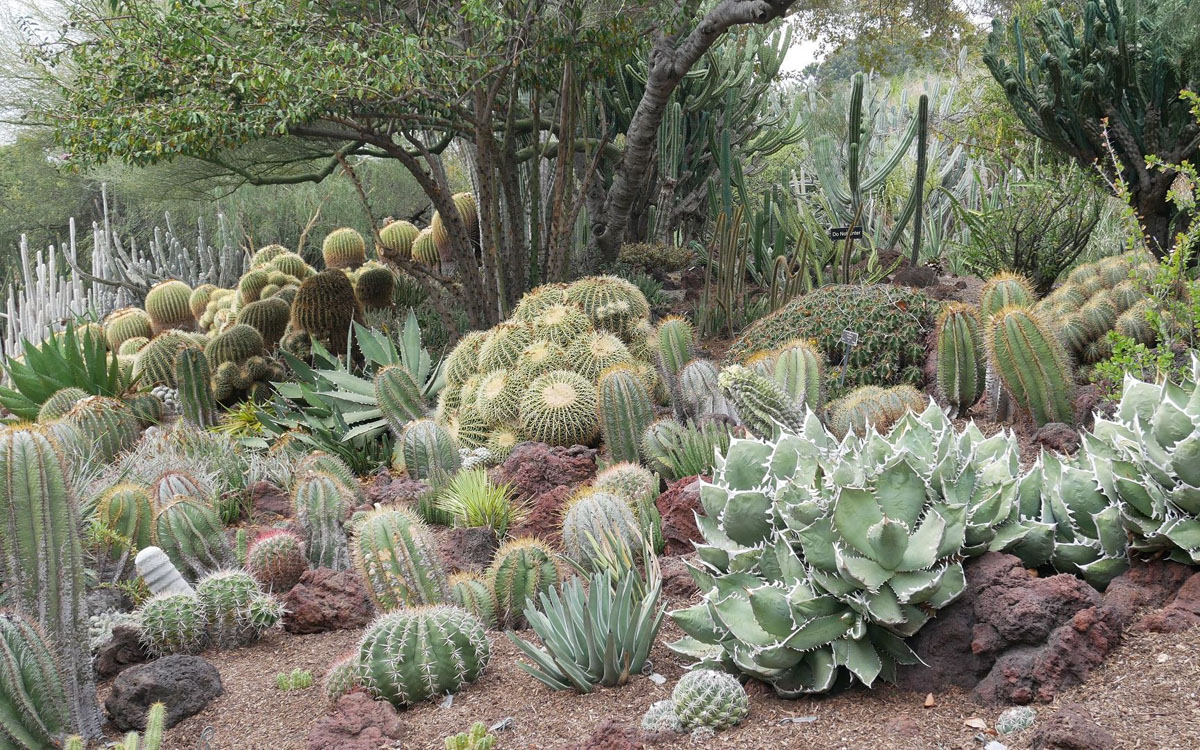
x=147 y=409
x=334 y=467
x=292 y=265
x=191 y=534
x=59 y=403
x=502 y=347
x=251 y=285
x=675 y=344
x=397 y=240
x=1032 y=364
x=427 y=451
x=126 y=510
x=168 y=304
x=560 y=324
x=159 y=573
x=471 y=592
x=130 y=347
x=960 y=363
x=697 y=393
x=34 y=708
x=1004 y=290
x=800 y=372
x=559 y=408
x=276 y=560
x=872 y=406
x=629 y=481
x=151 y=739
x=497 y=399
x=344 y=248
x=591 y=518
x=106 y=423
x=463 y=360
x=236 y=344
x=265 y=254
x=535 y=300
x=399 y=397
x=762 y=405
x=198 y=300
x=194 y=380
x=424 y=248
x=624 y=409
x=595 y=352
x=174 y=482
x=41 y=560
x=416 y=654
x=398 y=558
x=269 y=317
x=235 y=608
x=522 y=570
x=476 y=738
x=321 y=504
x=324 y=307
x=374 y=287
x=173 y=624
x=341 y=677
x=706 y=698
x=124 y=324
x=611 y=302
x=155 y=363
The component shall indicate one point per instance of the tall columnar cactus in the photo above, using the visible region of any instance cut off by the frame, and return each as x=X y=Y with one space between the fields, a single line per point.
x=173 y=624
x=194 y=380
x=235 y=608
x=592 y=517
x=191 y=534
x=168 y=304
x=159 y=573
x=559 y=408
x=1004 y=290
x=276 y=560
x=41 y=560
x=624 y=409
x=427 y=450
x=34 y=708
x=344 y=248
x=106 y=423
x=324 y=308
x=471 y=592
x=399 y=397
x=707 y=698
x=800 y=372
x=416 y=654
x=321 y=504
x=522 y=570
x=762 y=405
x=1032 y=364
x=675 y=345
x=398 y=559
x=960 y=364
x=124 y=324
x=397 y=240
x=126 y=509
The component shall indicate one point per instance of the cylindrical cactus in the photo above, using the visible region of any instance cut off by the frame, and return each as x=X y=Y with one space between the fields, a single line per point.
x=168 y=304
x=707 y=698
x=398 y=559
x=324 y=307
x=522 y=570
x=191 y=534
x=321 y=503
x=173 y=624
x=800 y=373
x=107 y=423
x=34 y=708
x=194 y=393
x=591 y=517
x=960 y=364
x=1032 y=364
x=427 y=451
x=334 y=467
x=761 y=403
x=126 y=509
x=471 y=592
x=399 y=397
x=124 y=324
x=413 y=655
x=59 y=403
x=276 y=560
x=267 y=316
x=624 y=411
x=1004 y=290
x=397 y=240
x=559 y=408
x=675 y=344
x=233 y=606
x=159 y=573
x=344 y=248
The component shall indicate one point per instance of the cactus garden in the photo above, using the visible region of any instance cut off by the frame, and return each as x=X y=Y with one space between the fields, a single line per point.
x=600 y=377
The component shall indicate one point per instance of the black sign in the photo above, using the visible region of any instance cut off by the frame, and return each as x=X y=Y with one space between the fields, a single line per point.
x=849 y=338
x=840 y=233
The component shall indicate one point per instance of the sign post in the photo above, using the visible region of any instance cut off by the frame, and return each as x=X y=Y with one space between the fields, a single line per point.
x=841 y=233
x=849 y=341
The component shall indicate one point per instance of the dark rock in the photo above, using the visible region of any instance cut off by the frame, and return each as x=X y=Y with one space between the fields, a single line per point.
x=1145 y=585
x=1181 y=614
x=1087 y=401
x=327 y=600
x=1022 y=609
x=678 y=506
x=544 y=477
x=918 y=277
x=1071 y=728
x=544 y=519
x=268 y=500
x=467 y=549
x=356 y=723
x=185 y=684
x=386 y=489
x=611 y=734
x=677 y=581
x=123 y=650
x=1057 y=436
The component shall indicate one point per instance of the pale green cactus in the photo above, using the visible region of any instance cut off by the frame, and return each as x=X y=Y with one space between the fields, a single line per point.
x=707 y=698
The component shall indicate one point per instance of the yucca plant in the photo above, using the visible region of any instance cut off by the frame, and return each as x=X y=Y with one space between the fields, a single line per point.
x=595 y=636
x=76 y=358
x=474 y=500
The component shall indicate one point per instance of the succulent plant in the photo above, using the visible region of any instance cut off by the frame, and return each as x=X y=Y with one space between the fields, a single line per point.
x=276 y=560
x=192 y=536
x=235 y=608
x=960 y=363
x=463 y=360
x=267 y=316
x=425 y=249
x=124 y=324
x=265 y=254
x=1015 y=719
x=334 y=467
x=236 y=344
x=1004 y=290
x=629 y=481
x=521 y=570
x=560 y=323
x=475 y=738
x=426 y=451
x=147 y=409
x=799 y=370
x=502 y=346
x=396 y=239
x=374 y=286
x=534 y=301
x=324 y=308
x=416 y=654
x=399 y=397
x=594 y=352
x=130 y=347
x=660 y=717
x=676 y=451
x=559 y=408
x=624 y=410
x=760 y=402
x=344 y=248
x=707 y=698
x=321 y=504
x=1032 y=364
x=612 y=303
x=159 y=573
x=398 y=558
x=167 y=304
x=199 y=298
x=34 y=709
x=674 y=344
x=497 y=399
x=195 y=395
x=173 y=624
x=341 y=677
x=107 y=424
x=155 y=363
x=126 y=509
x=696 y=392
x=871 y=406
x=590 y=517
x=471 y=592
x=59 y=403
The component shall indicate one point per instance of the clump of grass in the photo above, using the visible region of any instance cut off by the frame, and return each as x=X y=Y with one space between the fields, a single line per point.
x=472 y=499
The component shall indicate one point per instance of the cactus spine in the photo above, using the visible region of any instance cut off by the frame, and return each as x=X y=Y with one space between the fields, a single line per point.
x=960 y=365
x=471 y=592
x=427 y=450
x=398 y=558
x=126 y=510
x=194 y=380
x=192 y=536
x=106 y=423
x=321 y=503
x=521 y=571
x=33 y=702
x=399 y=397
x=169 y=306
x=624 y=409
x=799 y=372
x=173 y=624
x=1032 y=364
x=1004 y=290
x=760 y=402
x=559 y=408
x=276 y=560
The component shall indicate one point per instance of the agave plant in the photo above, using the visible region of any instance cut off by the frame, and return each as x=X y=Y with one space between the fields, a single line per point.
x=76 y=358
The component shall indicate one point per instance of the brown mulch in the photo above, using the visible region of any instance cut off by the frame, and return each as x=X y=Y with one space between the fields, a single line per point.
x=1145 y=694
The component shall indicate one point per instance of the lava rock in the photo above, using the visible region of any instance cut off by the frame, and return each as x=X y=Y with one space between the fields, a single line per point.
x=611 y=734
x=269 y=500
x=1089 y=400
x=1057 y=436
x=356 y=723
x=918 y=277
x=544 y=477
x=678 y=507
x=1181 y=614
x=325 y=600
x=185 y=684
x=123 y=650
x=1071 y=728
x=467 y=549
x=387 y=489
x=677 y=581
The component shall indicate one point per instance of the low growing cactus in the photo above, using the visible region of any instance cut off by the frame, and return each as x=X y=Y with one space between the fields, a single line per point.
x=236 y=608
x=521 y=571
x=173 y=624
x=475 y=738
x=705 y=698
x=276 y=560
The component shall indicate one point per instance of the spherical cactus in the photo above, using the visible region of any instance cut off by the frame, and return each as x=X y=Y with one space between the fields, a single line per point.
x=463 y=360
x=502 y=440
x=628 y=480
x=399 y=397
x=426 y=450
x=467 y=211
x=539 y=358
x=235 y=608
x=706 y=698
x=173 y=624
x=374 y=287
x=416 y=654
x=127 y=510
x=172 y=482
x=107 y=423
x=624 y=411
x=158 y=573
x=264 y=255
x=611 y=302
x=269 y=317
x=239 y=343
x=199 y=298
x=471 y=429
x=1126 y=294
x=521 y=571
x=34 y=708
x=191 y=534
x=1133 y=323
x=559 y=408
x=324 y=307
x=425 y=249
x=124 y=324
x=1004 y=290
x=59 y=403
x=342 y=676
x=292 y=265
x=168 y=306
x=503 y=346
x=1099 y=315
x=595 y=352
x=960 y=363
x=276 y=560
x=471 y=592
x=857 y=411
x=534 y=301
x=1032 y=364
x=146 y=407
x=660 y=717
x=561 y=324
x=250 y=286
x=397 y=240
x=130 y=347
x=344 y=248
x=498 y=397
x=155 y=363
x=591 y=517
x=398 y=558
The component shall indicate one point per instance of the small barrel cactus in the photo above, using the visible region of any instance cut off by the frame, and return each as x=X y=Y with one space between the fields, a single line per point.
x=706 y=698
x=169 y=306
x=108 y=424
x=324 y=308
x=341 y=677
x=235 y=607
x=502 y=346
x=560 y=324
x=1015 y=719
x=629 y=481
x=1004 y=290
x=592 y=517
x=126 y=509
x=59 y=403
x=192 y=535
x=397 y=240
x=475 y=738
x=559 y=408
x=471 y=592
x=344 y=248
x=522 y=570
x=660 y=717
x=173 y=624
x=276 y=560
x=124 y=324
x=593 y=353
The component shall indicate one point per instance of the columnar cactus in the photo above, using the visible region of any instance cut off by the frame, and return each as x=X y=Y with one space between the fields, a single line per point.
x=591 y=518
x=235 y=608
x=762 y=405
x=321 y=503
x=173 y=624
x=1004 y=290
x=41 y=560
x=276 y=560
x=471 y=592
x=106 y=423
x=195 y=396
x=522 y=570
x=624 y=410
x=168 y=304
x=427 y=451
x=559 y=408
x=707 y=698
x=159 y=573
x=675 y=344
x=416 y=654
x=476 y=738
x=344 y=248
x=127 y=510
x=960 y=365
x=399 y=397
x=324 y=308
x=1032 y=364
x=124 y=324
x=398 y=559
x=334 y=467
x=59 y=403
x=191 y=534
x=33 y=703
x=800 y=373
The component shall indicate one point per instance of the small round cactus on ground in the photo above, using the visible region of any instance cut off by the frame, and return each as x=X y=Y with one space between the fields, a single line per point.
x=342 y=676
x=276 y=560
x=173 y=624
x=660 y=717
x=1015 y=719
x=706 y=698
x=235 y=607
x=344 y=248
